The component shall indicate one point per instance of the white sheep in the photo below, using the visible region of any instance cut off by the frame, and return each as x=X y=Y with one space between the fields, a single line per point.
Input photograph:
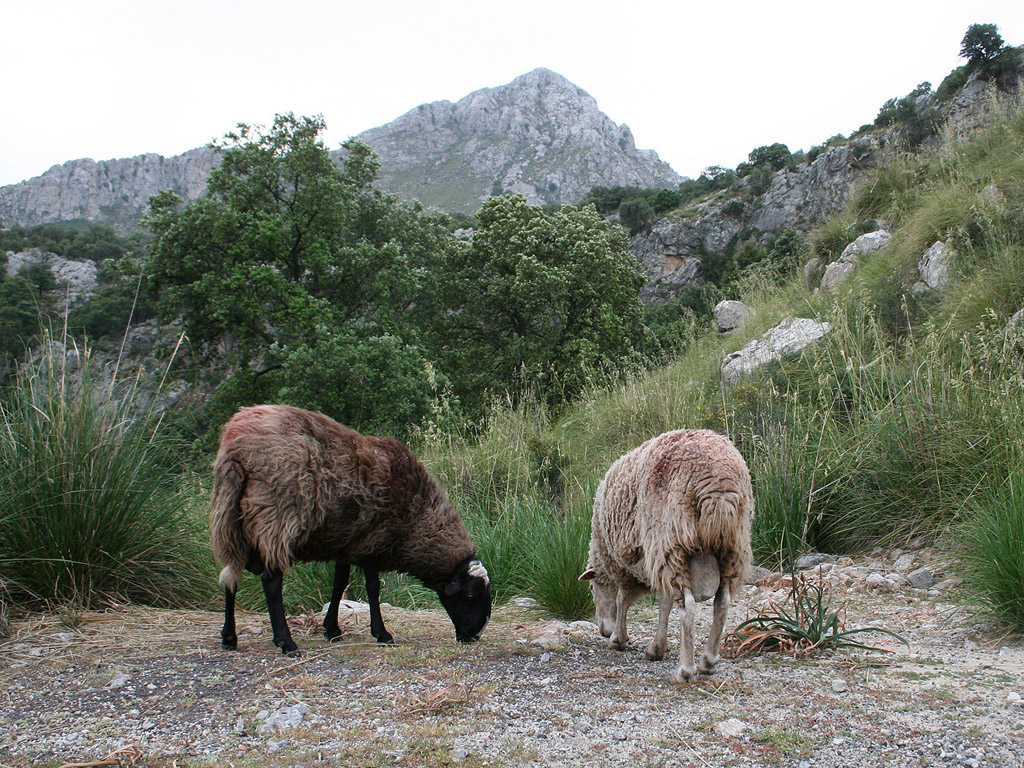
x=673 y=517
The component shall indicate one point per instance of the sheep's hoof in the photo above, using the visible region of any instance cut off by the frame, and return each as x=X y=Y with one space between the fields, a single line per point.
x=682 y=675
x=707 y=667
x=229 y=643
x=618 y=645
x=289 y=648
x=332 y=634
x=654 y=653
x=385 y=640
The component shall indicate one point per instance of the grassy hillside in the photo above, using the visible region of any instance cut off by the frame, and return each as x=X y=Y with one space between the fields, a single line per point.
x=907 y=421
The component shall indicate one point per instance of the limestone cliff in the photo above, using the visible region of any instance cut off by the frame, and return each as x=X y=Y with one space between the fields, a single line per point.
x=539 y=135
x=114 y=192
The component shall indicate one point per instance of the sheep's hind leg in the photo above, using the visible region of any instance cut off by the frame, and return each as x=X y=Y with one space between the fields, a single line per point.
x=377 y=628
x=331 y=629
x=684 y=670
x=228 y=635
x=711 y=653
x=272 y=581
x=658 y=646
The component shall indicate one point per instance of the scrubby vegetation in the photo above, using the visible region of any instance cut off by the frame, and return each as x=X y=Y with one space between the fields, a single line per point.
x=518 y=379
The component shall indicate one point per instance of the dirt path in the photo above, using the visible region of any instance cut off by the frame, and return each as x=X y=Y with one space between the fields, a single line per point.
x=148 y=687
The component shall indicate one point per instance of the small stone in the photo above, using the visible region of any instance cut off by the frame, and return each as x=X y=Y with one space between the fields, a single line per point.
x=904 y=562
x=839 y=686
x=922 y=578
x=812 y=559
x=148 y=725
x=460 y=753
x=120 y=681
x=1013 y=698
x=731 y=728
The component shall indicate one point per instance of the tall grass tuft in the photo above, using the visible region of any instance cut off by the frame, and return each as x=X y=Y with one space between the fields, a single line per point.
x=533 y=550
x=993 y=537
x=94 y=506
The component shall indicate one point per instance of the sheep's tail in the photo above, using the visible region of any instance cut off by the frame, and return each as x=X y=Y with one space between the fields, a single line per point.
x=226 y=535
x=724 y=529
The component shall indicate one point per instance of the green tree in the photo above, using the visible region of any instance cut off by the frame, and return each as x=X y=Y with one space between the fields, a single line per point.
x=636 y=214
x=289 y=258
x=541 y=301
x=988 y=55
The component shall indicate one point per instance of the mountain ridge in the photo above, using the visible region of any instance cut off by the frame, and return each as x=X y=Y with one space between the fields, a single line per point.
x=539 y=135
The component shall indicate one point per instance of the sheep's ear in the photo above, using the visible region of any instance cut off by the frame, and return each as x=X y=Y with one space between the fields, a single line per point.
x=587 y=575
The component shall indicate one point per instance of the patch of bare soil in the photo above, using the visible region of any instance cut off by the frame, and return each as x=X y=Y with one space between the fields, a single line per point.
x=148 y=687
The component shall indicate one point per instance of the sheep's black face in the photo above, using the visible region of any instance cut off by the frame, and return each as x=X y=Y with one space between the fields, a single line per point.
x=467 y=598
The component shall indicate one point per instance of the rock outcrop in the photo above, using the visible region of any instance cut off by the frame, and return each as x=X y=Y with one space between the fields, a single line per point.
x=792 y=335
x=114 y=192
x=673 y=250
x=540 y=136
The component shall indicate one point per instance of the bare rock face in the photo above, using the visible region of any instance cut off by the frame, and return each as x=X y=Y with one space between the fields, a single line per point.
x=673 y=249
x=792 y=335
x=539 y=136
x=76 y=279
x=115 y=192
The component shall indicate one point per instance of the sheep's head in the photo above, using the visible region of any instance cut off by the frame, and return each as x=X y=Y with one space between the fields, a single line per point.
x=604 y=594
x=467 y=598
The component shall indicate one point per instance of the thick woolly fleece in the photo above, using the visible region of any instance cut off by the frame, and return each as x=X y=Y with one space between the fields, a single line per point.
x=293 y=485
x=679 y=495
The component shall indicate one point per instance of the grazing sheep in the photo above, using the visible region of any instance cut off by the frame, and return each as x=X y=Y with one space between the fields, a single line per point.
x=673 y=517
x=292 y=485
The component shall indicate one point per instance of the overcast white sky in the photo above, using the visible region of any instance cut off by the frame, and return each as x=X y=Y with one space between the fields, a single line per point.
x=700 y=83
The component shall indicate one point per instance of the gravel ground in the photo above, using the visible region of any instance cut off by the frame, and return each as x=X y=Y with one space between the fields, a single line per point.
x=147 y=687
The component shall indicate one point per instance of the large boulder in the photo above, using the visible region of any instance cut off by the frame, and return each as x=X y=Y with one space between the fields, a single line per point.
x=837 y=272
x=730 y=315
x=791 y=336
x=934 y=267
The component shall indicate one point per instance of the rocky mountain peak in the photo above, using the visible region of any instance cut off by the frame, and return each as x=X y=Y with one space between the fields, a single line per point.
x=539 y=135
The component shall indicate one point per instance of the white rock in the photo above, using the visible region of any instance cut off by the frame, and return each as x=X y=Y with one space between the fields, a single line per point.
x=731 y=728
x=934 y=266
x=792 y=335
x=730 y=315
x=119 y=681
x=839 y=685
x=285 y=717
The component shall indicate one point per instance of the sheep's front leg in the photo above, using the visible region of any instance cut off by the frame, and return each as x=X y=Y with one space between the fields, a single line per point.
x=723 y=597
x=377 y=628
x=624 y=598
x=228 y=635
x=658 y=646
x=331 y=629
x=272 y=583
x=684 y=670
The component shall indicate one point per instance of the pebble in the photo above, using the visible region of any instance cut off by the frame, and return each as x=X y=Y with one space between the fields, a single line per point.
x=120 y=681
x=839 y=685
x=731 y=728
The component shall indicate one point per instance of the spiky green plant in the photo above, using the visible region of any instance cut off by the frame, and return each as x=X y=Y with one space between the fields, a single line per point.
x=94 y=505
x=807 y=622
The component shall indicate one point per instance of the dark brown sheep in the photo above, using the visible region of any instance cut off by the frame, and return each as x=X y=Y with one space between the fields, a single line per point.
x=291 y=485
